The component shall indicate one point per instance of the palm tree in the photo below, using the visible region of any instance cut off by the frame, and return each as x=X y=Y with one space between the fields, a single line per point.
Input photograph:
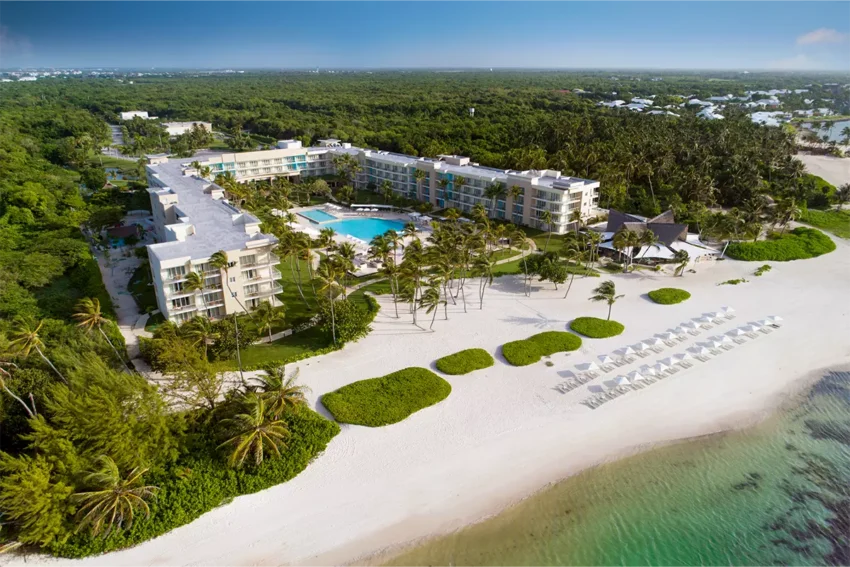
x=219 y=261
x=328 y=275
x=89 y=316
x=575 y=219
x=280 y=392
x=326 y=238
x=681 y=257
x=457 y=186
x=482 y=267
x=452 y=214
x=409 y=230
x=845 y=135
x=620 y=242
x=289 y=247
x=419 y=175
x=303 y=252
x=515 y=192
x=267 y=317
x=519 y=240
x=25 y=339
x=254 y=432
x=607 y=292
x=395 y=239
x=494 y=192
x=647 y=239
x=787 y=211
x=479 y=213
x=113 y=501
x=842 y=194
x=572 y=254
x=386 y=190
x=431 y=301
x=4 y=374
x=547 y=218
x=202 y=331
x=391 y=271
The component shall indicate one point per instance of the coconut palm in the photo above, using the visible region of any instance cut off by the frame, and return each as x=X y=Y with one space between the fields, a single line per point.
x=6 y=374
x=290 y=247
x=419 y=175
x=620 y=242
x=391 y=271
x=845 y=135
x=546 y=217
x=303 y=252
x=519 y=240
x=90 y=317
x=515 y=192
x=280 y=392
x=647 y=240
x=24 y=338
x=786 y=211
x=112 y=501
x=572 y=254
x=409 y=230
x=328 y=276
x=201 y=330
x=575 y=219
x=326 y=238
x=395 y=239
x=452 y=214
x=254 y=432
x=267 y=317
x=842 y=193
x=681 y=258
x=220 y=262
x=431 y=300
x=607 y=292
x=482 y=266
x=494 y=192
x=479 y=213
x=457 y=186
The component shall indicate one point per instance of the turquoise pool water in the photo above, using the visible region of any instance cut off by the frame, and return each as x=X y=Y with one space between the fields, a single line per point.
x=364 y=229
x=317 y=216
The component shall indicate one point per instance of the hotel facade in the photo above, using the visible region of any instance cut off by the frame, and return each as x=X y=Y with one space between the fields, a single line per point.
x=450 y=181
x=193 y=220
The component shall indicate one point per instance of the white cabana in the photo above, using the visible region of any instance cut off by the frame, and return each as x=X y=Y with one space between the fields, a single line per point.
x=669 y=361
x=634 y=375
x=660 y=367
x=414 y=214
x=654 y=341
x=680 y=357
x=755 y=325
x=639 y=347
x=749 y=329
x=727 y=310
x=700 y=351
x=625 y=351
x=679 y=331
x=622 y=381
x=605 y=359
x=714 y=344
x=706 y=320
x=587 y=366
x=648 y=371
x=737 y=332
x=689 y=325
x=667 y=336
x=425 y=218
x=775 y=319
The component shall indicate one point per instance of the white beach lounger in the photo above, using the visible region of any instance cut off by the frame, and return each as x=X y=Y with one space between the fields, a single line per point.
x=727 y=347
x=766 y=330
x=752 y=335
x=693 y=332
x=657 y=349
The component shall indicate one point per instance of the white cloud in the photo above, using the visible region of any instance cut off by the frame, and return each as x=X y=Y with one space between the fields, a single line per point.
x=798 y=62
x=822 y=35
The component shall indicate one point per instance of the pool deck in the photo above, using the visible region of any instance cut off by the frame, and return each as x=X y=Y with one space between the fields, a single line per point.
x=364 y=266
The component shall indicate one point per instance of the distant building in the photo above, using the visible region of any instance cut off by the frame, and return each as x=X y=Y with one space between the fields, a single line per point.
x=129 y=115
x=179 y=128
x=709 y=113
x=28 y=79
x=643 y=101
x=612 y=104
x=671 y=237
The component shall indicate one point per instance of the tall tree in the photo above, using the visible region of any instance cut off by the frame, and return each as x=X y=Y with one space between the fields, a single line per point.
x=253 y=432
x=24 y=338
x=607 y=292
x=89 y=317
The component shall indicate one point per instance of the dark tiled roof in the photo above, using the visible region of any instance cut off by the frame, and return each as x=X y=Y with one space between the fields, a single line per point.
x=664 y=225
x=667 y=232
x=665 y=217
x=616 y=219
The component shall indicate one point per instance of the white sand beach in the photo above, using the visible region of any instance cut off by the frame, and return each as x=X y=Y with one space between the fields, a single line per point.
x=833 y=169
x=505 y=432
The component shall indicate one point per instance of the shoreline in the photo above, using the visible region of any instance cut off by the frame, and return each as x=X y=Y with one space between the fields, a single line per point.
x=781 y=401
x=505 y=432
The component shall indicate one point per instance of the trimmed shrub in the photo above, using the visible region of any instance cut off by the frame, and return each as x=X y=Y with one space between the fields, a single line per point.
x=596 y=328
x=530 y=350
x=388 y=399
x=798 y=244
x=762 y=270
x=669 y=295
x=465 y=361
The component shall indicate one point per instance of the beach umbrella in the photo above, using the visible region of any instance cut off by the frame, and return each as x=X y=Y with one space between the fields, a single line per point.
x=660 y=367
x=701 y=351
x=605 y=359
x=714 y=344
x=775 y=319
x=704 y=320
x=749 y=328
x=667 y=361
x=679 y=331
x=654 y=341
x=635 y=375
x=715 y=315
x=625 y=351
x=680 y=357
x=737 y=332
x=639 y=347
x=587 y=366
x=648 y=370
x=689 y=325
x=622 y=381
x=667 y=336
x=764 y=322
x=727 y=310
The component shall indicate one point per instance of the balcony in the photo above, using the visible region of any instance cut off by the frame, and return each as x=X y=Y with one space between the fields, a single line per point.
x=173 y=278
x=182 y=308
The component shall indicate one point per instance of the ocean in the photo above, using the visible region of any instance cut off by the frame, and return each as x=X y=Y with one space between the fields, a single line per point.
x=776 y=493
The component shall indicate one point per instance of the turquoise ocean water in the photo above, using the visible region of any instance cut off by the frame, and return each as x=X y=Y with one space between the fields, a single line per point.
x=777 y=493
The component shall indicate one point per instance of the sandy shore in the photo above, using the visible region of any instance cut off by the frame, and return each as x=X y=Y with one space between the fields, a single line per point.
x=833 y=169
x=505 y=432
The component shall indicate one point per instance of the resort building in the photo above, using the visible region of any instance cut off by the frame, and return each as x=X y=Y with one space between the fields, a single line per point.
x=129 y=115
x=670 y=236
x=179 y=128
x=192 y=221
x=449 y=180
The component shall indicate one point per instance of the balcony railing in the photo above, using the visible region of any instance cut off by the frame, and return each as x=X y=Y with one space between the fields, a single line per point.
x=182 y=308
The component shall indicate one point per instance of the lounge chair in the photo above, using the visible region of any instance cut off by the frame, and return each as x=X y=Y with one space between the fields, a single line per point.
x=766 y=330
x=681 y=338
x=715 y=352
x=693 y=332
x=670 y=343
x=701 y=358
x=657 y=349
x=619 y=363
x=730 y=316
x=752 y=335
x=629 y=359
x=606 y=368
x=739 y=340
x=642 y=353
x=705 y=326
x=726 y=347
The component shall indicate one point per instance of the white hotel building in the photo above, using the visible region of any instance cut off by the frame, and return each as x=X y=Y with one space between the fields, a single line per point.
x=193 y=220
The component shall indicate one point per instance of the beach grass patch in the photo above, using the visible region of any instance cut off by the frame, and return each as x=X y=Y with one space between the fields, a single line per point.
x=596 y=328
x=669 y=295
x=734 y=282
x=389 y=399
x=762 y=270
x=530 y=350
x=465 y=361
x=799 y=244
x=835 y=221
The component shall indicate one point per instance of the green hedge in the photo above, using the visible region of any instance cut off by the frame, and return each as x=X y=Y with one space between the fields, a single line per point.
x=596 y=328
x=798 y=244
x=465 y=361
x=201 y=481
x=669 y=295
x=530 y=350
x=388 y=399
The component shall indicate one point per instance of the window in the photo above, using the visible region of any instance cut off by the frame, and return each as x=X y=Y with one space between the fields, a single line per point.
x=213 y=282
x=181 y=317
x=250 y=274
x=248 y=260
x=232 y=280
x=213 y=297
x=252 y=289
x=214 y=313
x=181 y=302
x=175 y=273
x=176 y=288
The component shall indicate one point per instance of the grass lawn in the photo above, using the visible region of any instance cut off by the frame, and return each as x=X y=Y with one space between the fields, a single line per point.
x=798 y=244
x=154 y=321
x=835 y=221
x=296 y=311
x=596 y=328
x=502 y=253
x=377 y=288
x=668 y=295
x=530 y=350
x=298 y=343
x=465 y=361
x=141 y=290
x=125 y=165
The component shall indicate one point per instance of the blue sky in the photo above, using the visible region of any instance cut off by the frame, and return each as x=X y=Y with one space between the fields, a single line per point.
x=678 y=35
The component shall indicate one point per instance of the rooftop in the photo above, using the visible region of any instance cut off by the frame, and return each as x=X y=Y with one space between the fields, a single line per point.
x=218 y=224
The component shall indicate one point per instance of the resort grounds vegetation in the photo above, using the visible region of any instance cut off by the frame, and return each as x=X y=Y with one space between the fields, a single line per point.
x=762 y=270
x=668 y=295
x=530 y=350
x=596 y=328
x=388 y=399
x=798 y=244
x=465 y=361
x=836 y=221
x=734 y=282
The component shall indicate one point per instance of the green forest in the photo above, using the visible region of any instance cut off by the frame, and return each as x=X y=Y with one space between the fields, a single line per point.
x=73 y=485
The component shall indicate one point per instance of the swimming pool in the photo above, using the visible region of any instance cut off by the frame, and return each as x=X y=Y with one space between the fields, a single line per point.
x=316 y=215
x=364 y=229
